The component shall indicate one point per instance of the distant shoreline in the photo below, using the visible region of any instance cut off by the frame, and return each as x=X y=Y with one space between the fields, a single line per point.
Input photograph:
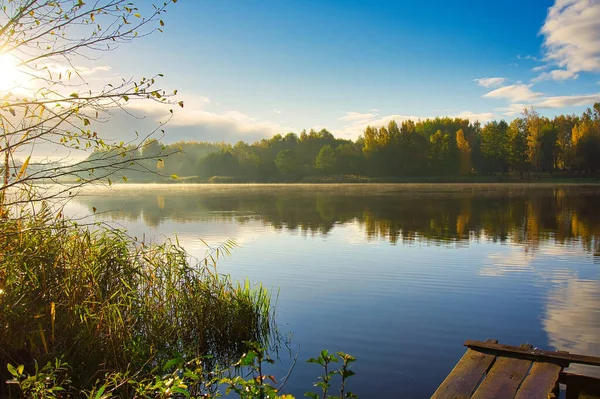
x=358 y=179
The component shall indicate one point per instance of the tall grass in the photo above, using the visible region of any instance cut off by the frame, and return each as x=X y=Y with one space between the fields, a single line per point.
x=105 y=303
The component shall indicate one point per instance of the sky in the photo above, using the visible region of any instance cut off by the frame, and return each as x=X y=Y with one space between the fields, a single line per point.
x=250 y=69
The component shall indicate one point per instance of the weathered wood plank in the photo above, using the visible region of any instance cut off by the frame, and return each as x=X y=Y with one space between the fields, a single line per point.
x=503 y=379
x=463 y=379
x=541 y=381
x=535 y=354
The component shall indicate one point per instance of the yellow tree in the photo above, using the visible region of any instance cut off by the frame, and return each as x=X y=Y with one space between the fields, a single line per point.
x=464 y=153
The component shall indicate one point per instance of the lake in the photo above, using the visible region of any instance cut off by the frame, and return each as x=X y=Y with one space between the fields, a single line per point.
x=397 y=275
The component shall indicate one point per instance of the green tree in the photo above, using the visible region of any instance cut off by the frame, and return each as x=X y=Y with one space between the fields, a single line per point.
x=518 y=158
x=495 y=147
x=287 y=163
x=326 y=160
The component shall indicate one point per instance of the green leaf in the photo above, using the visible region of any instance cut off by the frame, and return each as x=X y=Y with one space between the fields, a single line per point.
x=100 y=392
x=171 y=363
x=20 y=369
x=181 y=391
x=174 y=176
x=126 y=98
x=12 y=370
x=248 y=358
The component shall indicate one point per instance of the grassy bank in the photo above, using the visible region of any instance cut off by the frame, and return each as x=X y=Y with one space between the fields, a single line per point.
x=105 y=304
x=557 y=177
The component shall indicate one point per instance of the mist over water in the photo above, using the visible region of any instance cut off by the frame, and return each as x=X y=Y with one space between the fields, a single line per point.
x=397 y=275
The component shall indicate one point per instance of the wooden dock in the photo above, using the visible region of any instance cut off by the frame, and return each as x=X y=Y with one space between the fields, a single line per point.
x=492 y=370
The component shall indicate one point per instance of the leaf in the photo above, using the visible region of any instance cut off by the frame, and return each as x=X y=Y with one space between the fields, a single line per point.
x=86 y=121
x=23 y=167
x=125 y=178
x=171 y=363
x=100 y=392
x=12 y=370
x=94 y=209
x=180 y=104
x=20 y=369
x=162 y=23
x=174 y=176
x=126 y=98
x=74 y=95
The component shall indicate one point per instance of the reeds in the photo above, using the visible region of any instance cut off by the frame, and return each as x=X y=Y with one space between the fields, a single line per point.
x=105 y=303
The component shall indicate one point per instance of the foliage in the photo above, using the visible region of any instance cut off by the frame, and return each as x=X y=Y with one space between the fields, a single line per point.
x=54 y=108
x=178 y=378
x=440 y=147
x=103 y=301
x=324 y=360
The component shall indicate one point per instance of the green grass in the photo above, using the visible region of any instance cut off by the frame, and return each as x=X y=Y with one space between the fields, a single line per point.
x=103 y=302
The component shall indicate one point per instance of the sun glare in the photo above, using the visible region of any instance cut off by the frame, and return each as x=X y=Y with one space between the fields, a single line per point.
x=9 y=75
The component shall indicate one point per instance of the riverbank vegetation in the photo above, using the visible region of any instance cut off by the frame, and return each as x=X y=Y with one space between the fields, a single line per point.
x=102 y=302
x=530 y=147
x=86 y=311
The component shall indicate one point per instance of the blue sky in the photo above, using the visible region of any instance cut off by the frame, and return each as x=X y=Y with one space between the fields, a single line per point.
x=249 y=69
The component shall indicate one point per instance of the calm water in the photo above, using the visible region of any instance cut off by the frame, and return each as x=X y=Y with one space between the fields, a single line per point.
x=396 y=275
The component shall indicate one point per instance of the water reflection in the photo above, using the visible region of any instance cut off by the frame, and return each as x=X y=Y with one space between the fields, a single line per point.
x=572 y=319
x=435 y=214
x=445 y=263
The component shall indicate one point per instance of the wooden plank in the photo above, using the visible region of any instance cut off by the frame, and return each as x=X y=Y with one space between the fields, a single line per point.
x=503 y=379
x=541 y=381
x=535 y=354
x=463 y=379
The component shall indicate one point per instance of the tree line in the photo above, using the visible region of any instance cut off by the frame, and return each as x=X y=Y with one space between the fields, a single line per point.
x=432 y=147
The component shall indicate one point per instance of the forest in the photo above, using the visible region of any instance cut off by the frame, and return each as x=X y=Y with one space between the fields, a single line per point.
x=446 y=147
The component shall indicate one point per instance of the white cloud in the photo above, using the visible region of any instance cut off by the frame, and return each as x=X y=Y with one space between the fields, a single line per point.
x=476 y=116
x=557 y=74
x=513 y=109
x=568 y=101
x=491 y=82
x=195 y=122
x=357 y=116
x=277 y=111
x=572 y=37
x=517 y=92
x=527 y=57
